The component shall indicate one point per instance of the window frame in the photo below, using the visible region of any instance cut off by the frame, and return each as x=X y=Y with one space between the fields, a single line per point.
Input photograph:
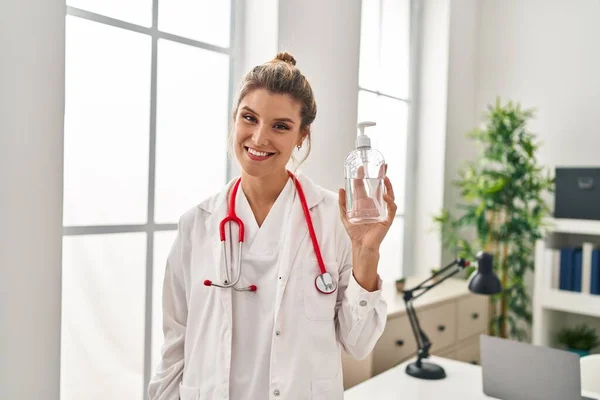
x=150 y=227
x=407 y=256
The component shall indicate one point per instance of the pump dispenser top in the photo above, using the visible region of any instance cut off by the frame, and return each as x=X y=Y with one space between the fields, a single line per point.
x=362 y=140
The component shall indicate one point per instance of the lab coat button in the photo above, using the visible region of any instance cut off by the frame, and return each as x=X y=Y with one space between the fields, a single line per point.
x=276 y=392
x=363 y=303
x=277 y=333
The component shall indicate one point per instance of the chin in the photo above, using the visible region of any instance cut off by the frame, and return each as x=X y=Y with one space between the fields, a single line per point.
x=258 y=171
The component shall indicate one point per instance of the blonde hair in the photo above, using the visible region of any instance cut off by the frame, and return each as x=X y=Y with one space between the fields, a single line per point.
x=281 y=76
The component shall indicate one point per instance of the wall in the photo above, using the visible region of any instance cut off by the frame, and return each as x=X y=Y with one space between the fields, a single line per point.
x=462 y=114
x=31 y=156
x=431 y=134
x=545 y=55
x=324 y=36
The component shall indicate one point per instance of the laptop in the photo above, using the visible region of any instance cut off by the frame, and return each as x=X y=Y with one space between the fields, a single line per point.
x=513 y=370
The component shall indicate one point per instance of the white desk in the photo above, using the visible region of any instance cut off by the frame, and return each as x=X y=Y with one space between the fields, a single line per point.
x=463 y=381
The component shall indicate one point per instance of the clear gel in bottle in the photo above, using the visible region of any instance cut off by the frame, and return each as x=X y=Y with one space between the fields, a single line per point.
x=364 y=172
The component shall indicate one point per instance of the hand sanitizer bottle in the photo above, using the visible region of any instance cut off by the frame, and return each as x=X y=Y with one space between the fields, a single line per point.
x=364 y=172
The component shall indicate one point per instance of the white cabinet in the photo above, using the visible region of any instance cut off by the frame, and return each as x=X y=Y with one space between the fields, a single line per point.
x=451 y=316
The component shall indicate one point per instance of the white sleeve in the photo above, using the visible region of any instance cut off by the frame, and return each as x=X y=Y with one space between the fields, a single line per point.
x=361 y=315
x=164 y=385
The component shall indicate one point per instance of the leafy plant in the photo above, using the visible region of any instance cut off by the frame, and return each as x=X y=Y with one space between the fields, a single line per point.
x=502 y=203
x=580 y=337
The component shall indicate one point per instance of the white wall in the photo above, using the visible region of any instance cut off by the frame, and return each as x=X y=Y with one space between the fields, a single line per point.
x=546 y=54
x=31 y=156
x=462 y=112
x=324 y=37
x=431 y=137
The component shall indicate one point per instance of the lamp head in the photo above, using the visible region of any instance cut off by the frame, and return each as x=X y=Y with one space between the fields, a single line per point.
x=485 y=280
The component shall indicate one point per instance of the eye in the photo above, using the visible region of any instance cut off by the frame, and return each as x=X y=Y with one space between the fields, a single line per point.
x=249 y=118
x=282 y=127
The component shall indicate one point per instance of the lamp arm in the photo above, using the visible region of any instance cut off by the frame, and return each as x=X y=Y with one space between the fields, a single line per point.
x=421 y=338
x=423 y=343
x=429 y=287
x=441 y=271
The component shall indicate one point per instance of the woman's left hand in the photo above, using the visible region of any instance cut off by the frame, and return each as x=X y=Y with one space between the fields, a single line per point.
x=369 y=235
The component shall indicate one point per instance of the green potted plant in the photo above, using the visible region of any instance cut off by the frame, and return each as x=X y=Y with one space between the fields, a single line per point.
x=400 y=285
x=501 y=210
x=579 y=339
x=435 y=271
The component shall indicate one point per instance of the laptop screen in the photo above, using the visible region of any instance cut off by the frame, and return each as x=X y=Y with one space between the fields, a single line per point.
x=520 y=371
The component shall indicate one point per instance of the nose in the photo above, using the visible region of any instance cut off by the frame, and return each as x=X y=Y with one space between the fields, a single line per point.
x=261 y=135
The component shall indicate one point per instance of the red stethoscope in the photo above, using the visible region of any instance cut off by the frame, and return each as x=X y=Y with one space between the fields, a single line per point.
x=324 y=281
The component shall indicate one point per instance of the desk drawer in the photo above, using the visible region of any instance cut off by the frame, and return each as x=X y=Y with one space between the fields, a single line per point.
x=356 y=371
x=439 y=324
x=469 y=352
x=451 y=354
x=396 y=343
x=472 y=316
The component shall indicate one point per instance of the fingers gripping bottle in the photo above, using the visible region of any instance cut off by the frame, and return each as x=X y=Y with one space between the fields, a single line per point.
x=364 y=171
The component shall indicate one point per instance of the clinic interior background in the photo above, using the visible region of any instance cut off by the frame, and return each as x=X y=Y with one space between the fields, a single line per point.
x=90 y=204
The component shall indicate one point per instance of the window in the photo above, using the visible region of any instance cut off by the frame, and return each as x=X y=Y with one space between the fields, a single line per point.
x=383 y=97
x=146 y=88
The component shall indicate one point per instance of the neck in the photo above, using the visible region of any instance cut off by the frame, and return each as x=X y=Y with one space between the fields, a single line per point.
x=262 y=192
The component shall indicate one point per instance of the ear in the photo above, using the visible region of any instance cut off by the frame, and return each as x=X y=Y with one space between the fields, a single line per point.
x=303 y=135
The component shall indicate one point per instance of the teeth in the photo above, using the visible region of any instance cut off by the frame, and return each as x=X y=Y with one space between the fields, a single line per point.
x=257 y=153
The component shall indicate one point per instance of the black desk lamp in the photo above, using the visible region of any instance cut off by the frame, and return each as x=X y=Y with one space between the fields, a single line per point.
x=484 y=282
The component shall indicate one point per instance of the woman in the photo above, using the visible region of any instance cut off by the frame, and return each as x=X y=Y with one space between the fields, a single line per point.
x=284 y=339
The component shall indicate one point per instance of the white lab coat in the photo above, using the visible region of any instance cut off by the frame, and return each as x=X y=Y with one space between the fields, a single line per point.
x=310 y=328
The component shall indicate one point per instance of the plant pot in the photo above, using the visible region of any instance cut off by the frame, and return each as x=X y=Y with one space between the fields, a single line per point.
x=400 y=286
x=581 y=353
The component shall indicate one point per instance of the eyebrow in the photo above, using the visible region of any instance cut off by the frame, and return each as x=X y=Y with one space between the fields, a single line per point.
x=284 y=119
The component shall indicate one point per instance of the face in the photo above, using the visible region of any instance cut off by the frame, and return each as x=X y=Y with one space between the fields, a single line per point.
x=266 y=131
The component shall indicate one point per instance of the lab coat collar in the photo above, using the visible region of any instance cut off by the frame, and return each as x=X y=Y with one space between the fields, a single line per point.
x=218 y=203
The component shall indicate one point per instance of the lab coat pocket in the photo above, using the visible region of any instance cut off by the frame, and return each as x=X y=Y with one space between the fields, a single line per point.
x=318 y=306
x=188 y=393
x=328 y=389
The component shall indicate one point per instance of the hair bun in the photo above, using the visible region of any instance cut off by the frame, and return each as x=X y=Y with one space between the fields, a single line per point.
x=286 y=57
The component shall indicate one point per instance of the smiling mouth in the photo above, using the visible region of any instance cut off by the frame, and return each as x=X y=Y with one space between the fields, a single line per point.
x=257 y=155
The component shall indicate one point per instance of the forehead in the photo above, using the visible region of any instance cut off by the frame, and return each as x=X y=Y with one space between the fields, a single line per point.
x=272 y=105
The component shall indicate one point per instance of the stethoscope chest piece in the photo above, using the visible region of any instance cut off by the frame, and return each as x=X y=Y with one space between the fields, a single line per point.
x=325 y=283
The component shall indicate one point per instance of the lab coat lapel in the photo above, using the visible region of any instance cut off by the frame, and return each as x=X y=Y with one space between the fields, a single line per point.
x=296 y=237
